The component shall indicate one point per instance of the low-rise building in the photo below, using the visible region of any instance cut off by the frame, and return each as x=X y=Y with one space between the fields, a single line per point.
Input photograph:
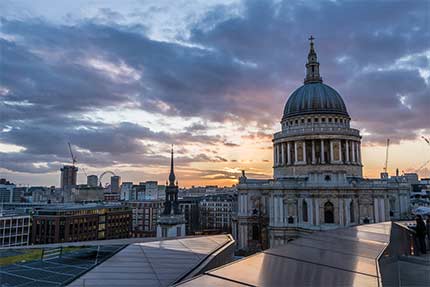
x=84 y=193
x=145 y=215
x=108 y=196
x=14 y=228
x=80 y=222
x=190 y=208
x=420 y=194
x=216 y=212
x=43 y=194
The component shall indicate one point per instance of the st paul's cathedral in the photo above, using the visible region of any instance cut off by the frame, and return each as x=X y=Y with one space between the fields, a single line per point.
x=317 y=179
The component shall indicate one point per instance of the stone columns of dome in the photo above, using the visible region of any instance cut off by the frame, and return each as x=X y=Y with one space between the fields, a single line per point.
x=359 y=152
x=331 y=151
x=288 y=152
x=282 y=153
x=295 y=152
x=347 y=151
x=313 y=152
x=274 y=155
x=322 y=151
x=304 y=151
x=353 y=151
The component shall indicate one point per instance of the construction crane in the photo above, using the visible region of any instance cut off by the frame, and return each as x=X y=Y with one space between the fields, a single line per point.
x=71 y=153
x=427 y=140
x=83 y=169
x=422 y=166
x=386 y=156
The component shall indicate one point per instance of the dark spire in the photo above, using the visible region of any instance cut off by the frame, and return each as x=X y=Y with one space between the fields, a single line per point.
x=172 y=173
x=312 y=66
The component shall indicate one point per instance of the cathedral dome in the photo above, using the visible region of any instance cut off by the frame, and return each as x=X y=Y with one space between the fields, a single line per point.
x=314 y=98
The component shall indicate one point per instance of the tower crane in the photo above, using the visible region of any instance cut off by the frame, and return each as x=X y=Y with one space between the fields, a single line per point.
x=422 y=166
x=427 y=140
x=386 y=156
x=71 y=153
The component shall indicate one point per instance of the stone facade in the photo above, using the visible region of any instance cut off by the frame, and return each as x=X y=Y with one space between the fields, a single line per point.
x=317 y=182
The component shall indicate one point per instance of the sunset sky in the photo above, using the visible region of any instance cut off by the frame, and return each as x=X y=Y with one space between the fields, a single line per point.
x=123 y=80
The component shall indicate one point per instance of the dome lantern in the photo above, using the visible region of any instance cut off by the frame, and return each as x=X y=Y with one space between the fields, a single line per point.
x=312 y=66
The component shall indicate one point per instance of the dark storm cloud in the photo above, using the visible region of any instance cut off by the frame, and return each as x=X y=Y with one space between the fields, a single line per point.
x=241 y=68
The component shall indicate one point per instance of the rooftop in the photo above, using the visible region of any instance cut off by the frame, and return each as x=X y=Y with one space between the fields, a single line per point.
x=118 y=262
x=365 y=255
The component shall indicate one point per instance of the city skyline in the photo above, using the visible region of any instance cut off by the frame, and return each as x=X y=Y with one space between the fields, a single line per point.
x=123 y=83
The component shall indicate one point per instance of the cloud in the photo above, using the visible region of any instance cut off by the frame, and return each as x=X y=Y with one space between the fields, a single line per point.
x=220 y=67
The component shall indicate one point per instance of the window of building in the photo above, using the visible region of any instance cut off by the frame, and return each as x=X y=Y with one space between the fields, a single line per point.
x=328 y=212
x=305 y=211
x=323 y=120
x=329 y=120
x=178 y=231
x=163 y=232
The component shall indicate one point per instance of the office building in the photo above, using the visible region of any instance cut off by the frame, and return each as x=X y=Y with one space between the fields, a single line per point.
x=92 y=180
x=115 y=184
x=14 y=228
x=190 y=208
x=216 y=212
x=80 y=222
x=145 y=217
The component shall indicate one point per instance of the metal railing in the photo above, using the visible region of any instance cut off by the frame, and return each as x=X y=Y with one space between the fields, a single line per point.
x=402 y=242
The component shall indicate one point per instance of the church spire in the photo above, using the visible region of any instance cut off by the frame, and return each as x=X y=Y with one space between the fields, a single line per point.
x=312 y=66
x=172 y=173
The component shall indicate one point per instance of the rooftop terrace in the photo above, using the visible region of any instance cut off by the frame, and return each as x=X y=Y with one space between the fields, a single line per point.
x=342 y=257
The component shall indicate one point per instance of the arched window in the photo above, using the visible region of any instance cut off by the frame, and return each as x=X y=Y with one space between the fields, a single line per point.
x=351 y=211
x=328 y=212
x=305 y=211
